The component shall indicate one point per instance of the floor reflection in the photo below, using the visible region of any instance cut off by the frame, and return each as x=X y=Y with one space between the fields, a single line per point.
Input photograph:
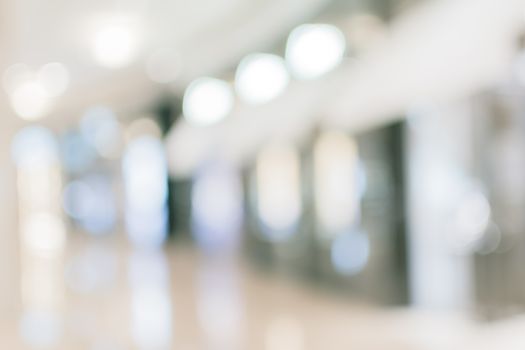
x=114 y=297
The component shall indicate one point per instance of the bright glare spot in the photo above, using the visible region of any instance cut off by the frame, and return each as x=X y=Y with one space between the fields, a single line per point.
x=337 y=192
x=217 y=207
x=34 y=146
x=115 y=45
x=15 y=76
x=44 y=234
x=31 y=101
x=207 y=101
x=40 y=329
x=164 y=66
x=261 y=77
x=314 y=49
x=285 y=333
x=54 y=78
x=350 y=252
x=102 y=130
x=279 y=190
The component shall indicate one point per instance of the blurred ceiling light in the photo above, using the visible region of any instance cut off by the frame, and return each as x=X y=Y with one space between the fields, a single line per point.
x=31 y=94
x=207 y=101
x=15 y=76
x=54 y=78
x=314 y=49
x=164 y=66
x=261 y=77
x=31 y=101
x=115 y=44
x=350 y=252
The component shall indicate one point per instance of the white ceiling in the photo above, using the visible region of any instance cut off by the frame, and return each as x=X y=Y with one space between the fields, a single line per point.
x=441 y=51
x=212 y=35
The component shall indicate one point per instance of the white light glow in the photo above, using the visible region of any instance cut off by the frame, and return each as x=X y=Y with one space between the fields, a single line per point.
x=207 y=101
x=336 y=181
x=115 y=44
x=44 y=234
x=279 y=190
x=164 y=66
x=31 y=101
x=54 y=78
x=314 y=49
x=261 y=77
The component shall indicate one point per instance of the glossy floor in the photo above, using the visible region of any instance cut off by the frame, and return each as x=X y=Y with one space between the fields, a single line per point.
x=103 y=295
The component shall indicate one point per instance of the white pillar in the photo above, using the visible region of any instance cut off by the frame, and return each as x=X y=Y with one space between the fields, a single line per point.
x=440 y=166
